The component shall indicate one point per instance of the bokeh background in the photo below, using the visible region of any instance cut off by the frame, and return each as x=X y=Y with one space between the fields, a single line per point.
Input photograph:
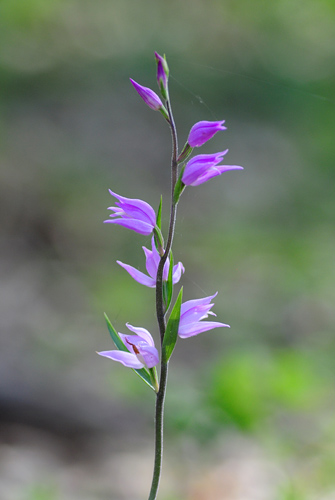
x=250 y=410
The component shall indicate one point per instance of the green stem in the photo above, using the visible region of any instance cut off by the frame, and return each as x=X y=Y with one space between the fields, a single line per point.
x=160 y=313
x=159 y=432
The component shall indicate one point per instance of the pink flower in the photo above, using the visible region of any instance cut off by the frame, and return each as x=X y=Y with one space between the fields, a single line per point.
x=201 y=132
x=141 y=350
x=152 y=261
x=191 y=315
x=133 y=214
x=201 y=168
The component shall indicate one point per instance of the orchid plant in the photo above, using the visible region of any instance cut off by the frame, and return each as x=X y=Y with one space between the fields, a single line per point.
x=186 y=319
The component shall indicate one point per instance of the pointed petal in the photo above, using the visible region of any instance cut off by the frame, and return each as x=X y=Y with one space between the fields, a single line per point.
x=151 y=259
x=178 y=270
x=142 y=332
x=195 y=314
x=200 y=164
x=196 y=328
x=213 y=172
x=149 y=96
x=138 y=275
x=196 y=302
x=126 y=358
x=134 y=224
x=202 y=131
x=166 y=269
x=135 y=208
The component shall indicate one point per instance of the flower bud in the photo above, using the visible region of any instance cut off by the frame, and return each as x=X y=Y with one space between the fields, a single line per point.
x=162 y=75
x=201 y=132
x=149 y=96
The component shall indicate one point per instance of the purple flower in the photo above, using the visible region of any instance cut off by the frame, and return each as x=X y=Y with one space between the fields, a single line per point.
x=201 y=168
x=149 y=96
x=141 y=347
x=201 y=132
x=133 y=214
x=162 y=73
x=191 y=314
x=152 y=261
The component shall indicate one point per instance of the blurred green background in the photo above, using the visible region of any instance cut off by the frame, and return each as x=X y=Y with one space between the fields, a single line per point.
x=250 y=410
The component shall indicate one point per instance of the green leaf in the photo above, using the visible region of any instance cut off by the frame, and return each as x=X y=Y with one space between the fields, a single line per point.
x=171 y=332
x=179 y=187
x=115 y=336
x=169 y=283
x=159 y=214
x=159 y=240
x=142 y=372
x=168 y=286
x=186 y=152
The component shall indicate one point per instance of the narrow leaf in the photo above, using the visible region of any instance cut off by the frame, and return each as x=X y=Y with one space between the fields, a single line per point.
x=159 y=214
x=171 y=332
x=186 y=151
x=154 y=378
x=142 y=372
x=179 y=187
x=169 y=284
x=115 y=336
x=159 y=240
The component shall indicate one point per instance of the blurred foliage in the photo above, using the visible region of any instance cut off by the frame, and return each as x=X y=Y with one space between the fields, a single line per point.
x=247 y=388
x=42 y=492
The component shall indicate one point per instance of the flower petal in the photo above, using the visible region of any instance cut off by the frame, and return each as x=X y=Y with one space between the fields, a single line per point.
x=126 y=358
x=196 y=313
x=135 y=208
x=152 y=259
x=202 y=131
x=149 y=354
x=138 y=275
x=149 y=96
x=142 y=332
x=178 y=270
x=198 y=327
x=134 y=224
x=213 y=172
x=198 y=165
x=196 y=302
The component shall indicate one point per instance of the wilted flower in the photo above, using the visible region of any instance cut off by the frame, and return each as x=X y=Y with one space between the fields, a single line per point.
x=152 y=261
x=201 y=168
x=141 y=347
x=133 y=214
x=191 y=315
x=202 y=131
x=149 y=96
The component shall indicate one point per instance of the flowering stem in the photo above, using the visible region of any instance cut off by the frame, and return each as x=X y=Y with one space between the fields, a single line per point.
x=159 y=432
x=160 y=312
x=159 y=279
